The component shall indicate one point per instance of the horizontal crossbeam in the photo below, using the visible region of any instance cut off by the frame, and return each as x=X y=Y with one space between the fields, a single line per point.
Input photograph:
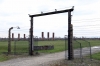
x=49 y=13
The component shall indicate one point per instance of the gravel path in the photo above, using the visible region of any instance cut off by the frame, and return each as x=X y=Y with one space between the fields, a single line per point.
x=41 y=60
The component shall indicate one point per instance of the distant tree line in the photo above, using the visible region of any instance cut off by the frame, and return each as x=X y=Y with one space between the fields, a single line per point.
x=46 y=39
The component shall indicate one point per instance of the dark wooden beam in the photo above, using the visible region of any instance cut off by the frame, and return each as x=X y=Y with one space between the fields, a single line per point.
x=50 y=13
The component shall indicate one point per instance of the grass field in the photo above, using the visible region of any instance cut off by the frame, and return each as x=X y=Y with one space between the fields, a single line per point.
x=59 y=45
x=96 y=56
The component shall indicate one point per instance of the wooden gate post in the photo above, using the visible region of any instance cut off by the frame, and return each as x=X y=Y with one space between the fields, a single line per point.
x=71 y=43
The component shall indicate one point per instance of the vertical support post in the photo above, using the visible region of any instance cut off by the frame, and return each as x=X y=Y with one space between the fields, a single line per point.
x=71 y=43
x=9 y=40
x=31 y=37
x=69 y=35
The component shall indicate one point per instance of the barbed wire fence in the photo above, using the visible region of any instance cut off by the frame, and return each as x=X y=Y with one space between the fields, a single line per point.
x=85 y=32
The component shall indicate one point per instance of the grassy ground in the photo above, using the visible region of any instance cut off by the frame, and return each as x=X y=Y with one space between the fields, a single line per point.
x=96 y=56
x=21 y=47
x=4 y=57
x=59 y=45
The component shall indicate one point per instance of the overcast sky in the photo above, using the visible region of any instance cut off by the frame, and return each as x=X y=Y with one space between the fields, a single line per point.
x=85 y=19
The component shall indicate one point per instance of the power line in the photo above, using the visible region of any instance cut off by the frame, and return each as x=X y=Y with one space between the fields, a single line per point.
x=87 y=25
x=86 y=19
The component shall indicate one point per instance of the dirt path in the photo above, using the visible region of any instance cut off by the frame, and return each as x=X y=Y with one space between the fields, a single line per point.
x=41 y=60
